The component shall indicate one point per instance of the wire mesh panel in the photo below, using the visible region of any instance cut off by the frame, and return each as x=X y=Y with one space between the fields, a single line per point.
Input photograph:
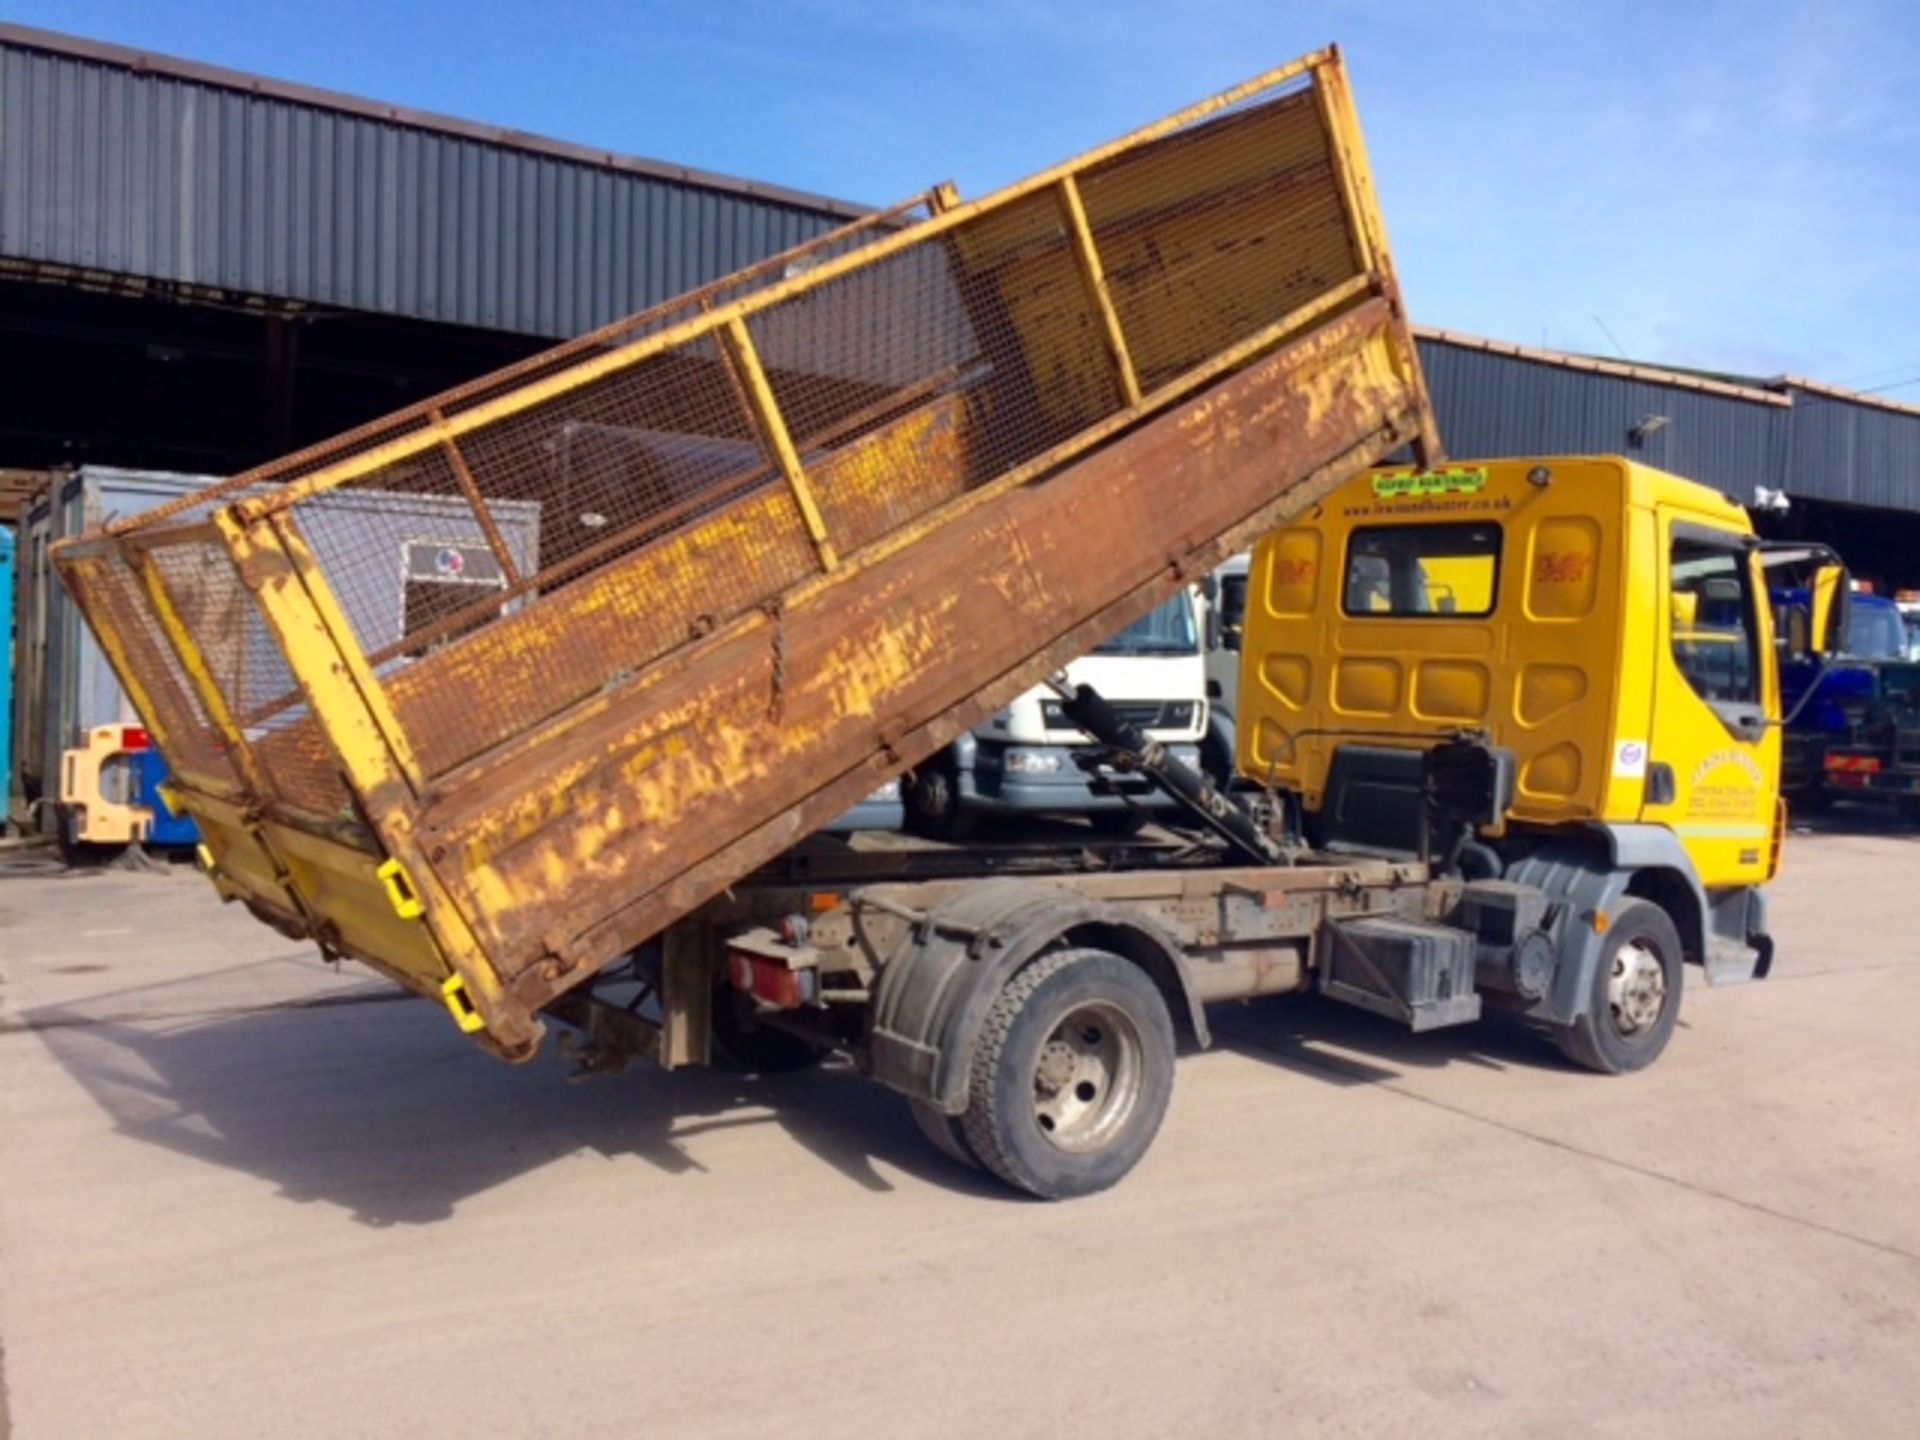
x=120 y=612
x=246 y=667
x=1217 y=231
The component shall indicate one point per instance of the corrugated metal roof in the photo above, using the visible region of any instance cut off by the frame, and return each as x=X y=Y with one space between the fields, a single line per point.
x=1493 y=399
x=160 y=169
x=1594 y=364
x=1840 y=448
x=1815 y=441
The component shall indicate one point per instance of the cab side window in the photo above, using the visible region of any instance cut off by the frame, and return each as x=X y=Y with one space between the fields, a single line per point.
x=1712 y=614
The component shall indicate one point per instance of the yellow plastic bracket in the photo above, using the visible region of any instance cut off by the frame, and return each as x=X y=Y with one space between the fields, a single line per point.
x=205 y=857
x=400 y=892
x=453 y=991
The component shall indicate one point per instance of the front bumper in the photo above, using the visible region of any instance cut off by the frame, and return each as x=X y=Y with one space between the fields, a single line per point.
x=882 y=810
x=995 y=783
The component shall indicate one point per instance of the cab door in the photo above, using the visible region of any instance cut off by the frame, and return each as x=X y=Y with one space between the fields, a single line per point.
x=1713 y=761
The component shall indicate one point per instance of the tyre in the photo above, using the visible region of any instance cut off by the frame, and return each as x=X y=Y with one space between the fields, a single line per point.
x=934 y=807
x=1118 y=823
x=1071 y=1075
x=1634 y=1001
x=746 y=1044
x=946 y=1132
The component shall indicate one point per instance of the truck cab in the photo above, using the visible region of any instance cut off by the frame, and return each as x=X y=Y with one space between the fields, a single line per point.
x=1025 y=759
x=1604 y=625
x=1826 y=702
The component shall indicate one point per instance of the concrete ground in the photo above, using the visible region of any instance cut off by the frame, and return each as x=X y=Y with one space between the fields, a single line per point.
x=242 y=1195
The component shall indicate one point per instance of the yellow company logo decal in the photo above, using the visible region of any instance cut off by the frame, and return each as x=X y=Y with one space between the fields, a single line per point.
x=1428 y=483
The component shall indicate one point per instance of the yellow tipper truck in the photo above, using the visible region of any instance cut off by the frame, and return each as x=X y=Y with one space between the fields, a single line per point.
x=525 y=696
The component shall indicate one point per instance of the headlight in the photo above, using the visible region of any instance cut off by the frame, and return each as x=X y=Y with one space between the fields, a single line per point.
x=1034 y=762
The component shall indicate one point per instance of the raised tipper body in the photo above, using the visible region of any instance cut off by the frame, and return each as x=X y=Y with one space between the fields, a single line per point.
x=678 y=593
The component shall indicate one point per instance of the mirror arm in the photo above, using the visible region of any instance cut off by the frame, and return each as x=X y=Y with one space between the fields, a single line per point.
x=1827 y=663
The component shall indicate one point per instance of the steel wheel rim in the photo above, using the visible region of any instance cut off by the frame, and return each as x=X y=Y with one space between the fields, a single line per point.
x=1636 y=990
x=1087 y=1077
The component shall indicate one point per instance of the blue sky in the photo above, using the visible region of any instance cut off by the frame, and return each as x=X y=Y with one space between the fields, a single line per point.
x=1725 y=185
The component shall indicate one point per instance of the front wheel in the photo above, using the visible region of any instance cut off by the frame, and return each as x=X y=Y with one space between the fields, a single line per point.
x=934 y=806
x=1808 y=800
x=1634 y=1000
x=1071 y=1076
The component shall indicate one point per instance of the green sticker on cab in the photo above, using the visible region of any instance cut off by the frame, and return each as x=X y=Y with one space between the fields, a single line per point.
x=1425 y=483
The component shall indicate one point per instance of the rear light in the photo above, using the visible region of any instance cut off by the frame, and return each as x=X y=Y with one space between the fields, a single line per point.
x=133 y=737
x=771 y=982
x=1854 y=764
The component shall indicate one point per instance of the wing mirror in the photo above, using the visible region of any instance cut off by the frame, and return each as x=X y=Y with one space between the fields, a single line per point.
x=1830 y=597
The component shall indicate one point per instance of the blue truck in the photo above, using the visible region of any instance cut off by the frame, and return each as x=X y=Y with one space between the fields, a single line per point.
x=1833 y=738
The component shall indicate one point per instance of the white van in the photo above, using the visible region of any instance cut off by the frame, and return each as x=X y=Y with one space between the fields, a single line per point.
x=1022 y=761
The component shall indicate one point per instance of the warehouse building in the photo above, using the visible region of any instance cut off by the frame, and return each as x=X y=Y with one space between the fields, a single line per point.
x=200 y=269
x=1813 y=461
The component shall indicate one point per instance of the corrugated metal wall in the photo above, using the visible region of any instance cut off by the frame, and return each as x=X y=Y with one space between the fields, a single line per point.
x=1497 y=399
x=1859 y=454
x=157 y=175
x=1491 y=403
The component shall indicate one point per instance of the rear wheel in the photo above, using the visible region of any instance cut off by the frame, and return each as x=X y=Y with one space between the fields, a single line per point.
x=1071 y=1076
x=946 y=1132
x=1634 y=1002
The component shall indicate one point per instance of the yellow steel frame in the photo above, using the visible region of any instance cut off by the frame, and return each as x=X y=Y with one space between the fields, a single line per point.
x=773 y=430
x=1094 y=274
x=339 y=686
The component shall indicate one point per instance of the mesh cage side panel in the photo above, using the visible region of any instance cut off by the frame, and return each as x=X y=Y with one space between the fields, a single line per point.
x=251 y=674
x=547 y=653
x=625 y=515
x=115 y=604
x=1217 y=231
x=675 y=311
x=651 y=480
x=540 y=557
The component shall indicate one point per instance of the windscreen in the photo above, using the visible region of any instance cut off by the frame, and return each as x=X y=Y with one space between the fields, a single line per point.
x=1167 y=629
x=1875 y=634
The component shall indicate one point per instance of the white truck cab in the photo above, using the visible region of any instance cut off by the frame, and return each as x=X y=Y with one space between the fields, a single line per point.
x=1022 y=761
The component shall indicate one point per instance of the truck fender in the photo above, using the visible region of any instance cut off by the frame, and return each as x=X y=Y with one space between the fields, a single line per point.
x=935 y=989
x=1623 y=862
